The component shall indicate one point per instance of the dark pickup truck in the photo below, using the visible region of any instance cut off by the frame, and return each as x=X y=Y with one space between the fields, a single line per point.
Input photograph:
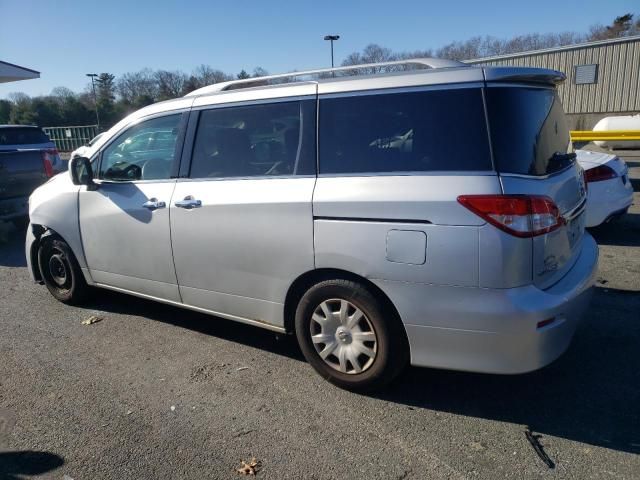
x=28 y=158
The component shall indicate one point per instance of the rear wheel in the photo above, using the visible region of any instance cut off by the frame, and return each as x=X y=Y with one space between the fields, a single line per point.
x=349 y=337
x=60 y=271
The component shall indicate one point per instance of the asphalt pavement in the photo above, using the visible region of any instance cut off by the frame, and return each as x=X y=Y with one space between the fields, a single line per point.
x=157 y=392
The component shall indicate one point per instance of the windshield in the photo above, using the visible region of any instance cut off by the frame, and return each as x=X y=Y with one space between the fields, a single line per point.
x=528 y=130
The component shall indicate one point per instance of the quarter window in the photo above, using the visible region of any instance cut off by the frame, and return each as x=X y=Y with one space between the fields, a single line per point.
x=255 y=141
x=528 y=129
x=439 y=130
x=144 y=152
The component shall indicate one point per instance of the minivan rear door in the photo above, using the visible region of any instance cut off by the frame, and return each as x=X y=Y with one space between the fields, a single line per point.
x=533 y=156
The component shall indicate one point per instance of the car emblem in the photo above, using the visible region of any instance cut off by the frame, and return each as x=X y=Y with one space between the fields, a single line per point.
x=550 y=265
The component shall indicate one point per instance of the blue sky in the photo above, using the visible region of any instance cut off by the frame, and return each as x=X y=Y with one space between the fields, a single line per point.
x=64 y=39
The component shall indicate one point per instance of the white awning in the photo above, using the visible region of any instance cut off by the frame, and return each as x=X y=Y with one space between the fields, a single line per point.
x=12 y=73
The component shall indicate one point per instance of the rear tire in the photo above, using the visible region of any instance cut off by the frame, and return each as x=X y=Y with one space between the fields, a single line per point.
x=60 y=271
x=349 y=336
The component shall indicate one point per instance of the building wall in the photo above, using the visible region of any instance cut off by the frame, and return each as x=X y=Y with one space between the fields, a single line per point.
x=617 y=90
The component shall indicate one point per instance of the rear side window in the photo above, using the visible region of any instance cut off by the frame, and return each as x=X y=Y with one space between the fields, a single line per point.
x=261 y=140
x=528 y=130
x=438 y=130
x=22 y=136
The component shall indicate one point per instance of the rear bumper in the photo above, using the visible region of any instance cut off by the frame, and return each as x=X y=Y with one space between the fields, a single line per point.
x=607 y=199
x=17 y=207
x=494 y=330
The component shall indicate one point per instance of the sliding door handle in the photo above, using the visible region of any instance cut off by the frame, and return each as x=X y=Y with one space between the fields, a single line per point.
x=189 y=202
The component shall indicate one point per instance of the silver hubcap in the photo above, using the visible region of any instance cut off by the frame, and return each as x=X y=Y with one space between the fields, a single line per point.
x=343 y=336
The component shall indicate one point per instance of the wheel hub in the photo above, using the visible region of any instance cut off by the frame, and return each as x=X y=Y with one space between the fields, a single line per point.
x=58 y=269
x=343 y=336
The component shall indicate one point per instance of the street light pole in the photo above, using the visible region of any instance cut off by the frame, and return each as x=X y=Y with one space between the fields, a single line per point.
x=95 y=97
x=332 y=38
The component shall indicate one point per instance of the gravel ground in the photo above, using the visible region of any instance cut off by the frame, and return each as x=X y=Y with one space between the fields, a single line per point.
x=153 y=391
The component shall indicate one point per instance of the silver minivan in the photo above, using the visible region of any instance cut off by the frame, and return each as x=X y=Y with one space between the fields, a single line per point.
x=432 y=214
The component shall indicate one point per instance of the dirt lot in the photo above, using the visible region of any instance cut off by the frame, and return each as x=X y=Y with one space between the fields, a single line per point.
x=157 y=392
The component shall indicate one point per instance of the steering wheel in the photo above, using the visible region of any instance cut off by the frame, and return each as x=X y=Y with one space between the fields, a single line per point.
x=155 y=168
x=132 y=172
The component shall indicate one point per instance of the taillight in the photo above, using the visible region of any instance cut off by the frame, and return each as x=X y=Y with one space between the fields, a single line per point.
x=599 y=173
x=520 y=215
x=47 y=161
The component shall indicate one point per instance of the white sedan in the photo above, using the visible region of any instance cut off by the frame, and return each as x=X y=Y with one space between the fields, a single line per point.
x=610 y=192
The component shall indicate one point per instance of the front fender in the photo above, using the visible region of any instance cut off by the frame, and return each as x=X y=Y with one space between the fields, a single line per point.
x=53 y=207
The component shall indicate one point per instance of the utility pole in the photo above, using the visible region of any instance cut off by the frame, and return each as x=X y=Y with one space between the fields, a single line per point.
x=95 y=97
x=332 y=38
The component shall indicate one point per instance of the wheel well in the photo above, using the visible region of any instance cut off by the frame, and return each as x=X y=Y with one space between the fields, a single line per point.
x=308 y=279
x=39 y=232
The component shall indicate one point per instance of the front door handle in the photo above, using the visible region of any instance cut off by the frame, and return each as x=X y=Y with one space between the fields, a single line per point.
x=189 y=202
x=154 y=204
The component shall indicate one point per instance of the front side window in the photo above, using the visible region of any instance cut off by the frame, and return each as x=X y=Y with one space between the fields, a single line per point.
x=143 y=152
x=255 y=141
x=437 y=130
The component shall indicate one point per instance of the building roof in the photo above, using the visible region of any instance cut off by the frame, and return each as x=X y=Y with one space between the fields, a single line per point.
x=575 y=46
x=12 y=73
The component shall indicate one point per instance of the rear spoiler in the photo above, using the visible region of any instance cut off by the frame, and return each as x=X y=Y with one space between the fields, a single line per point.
x=523 y=74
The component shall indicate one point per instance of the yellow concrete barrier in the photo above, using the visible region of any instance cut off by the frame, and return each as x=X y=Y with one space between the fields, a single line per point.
x=590 y=136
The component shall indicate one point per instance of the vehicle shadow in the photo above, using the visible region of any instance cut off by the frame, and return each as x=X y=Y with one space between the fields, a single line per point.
x=12 y=245
x=590 y=395
x=17 y=465
x=624 y=231
x=281 y=344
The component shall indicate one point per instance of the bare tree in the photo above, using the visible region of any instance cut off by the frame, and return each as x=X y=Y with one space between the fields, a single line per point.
x=259 y=72
x=170 y=84
x=137 y=88
x=207 y=75
x=63 y=93
x=372 y=53
x=621 y=26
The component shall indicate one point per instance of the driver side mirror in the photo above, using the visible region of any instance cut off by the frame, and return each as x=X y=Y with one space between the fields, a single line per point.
x=82 y=173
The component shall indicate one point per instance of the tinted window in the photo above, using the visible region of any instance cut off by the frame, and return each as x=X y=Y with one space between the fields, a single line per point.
x=528 y=130
x=255 y=140
x=143 y=152
x=22 y=136
x=441 y=130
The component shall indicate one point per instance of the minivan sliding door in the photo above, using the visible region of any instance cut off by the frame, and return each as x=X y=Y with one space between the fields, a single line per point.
x=241 y=223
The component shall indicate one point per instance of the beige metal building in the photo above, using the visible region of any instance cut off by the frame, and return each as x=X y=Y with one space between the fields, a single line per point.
x=603 y=77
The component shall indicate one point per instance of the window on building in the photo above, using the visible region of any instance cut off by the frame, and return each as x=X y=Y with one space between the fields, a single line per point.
x=586 y=74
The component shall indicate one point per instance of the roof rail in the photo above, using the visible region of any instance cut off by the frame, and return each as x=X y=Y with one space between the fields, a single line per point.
x=424 y=62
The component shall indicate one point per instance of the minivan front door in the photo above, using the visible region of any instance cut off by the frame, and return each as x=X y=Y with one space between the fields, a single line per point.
x=125 y=222
x=242 y=223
